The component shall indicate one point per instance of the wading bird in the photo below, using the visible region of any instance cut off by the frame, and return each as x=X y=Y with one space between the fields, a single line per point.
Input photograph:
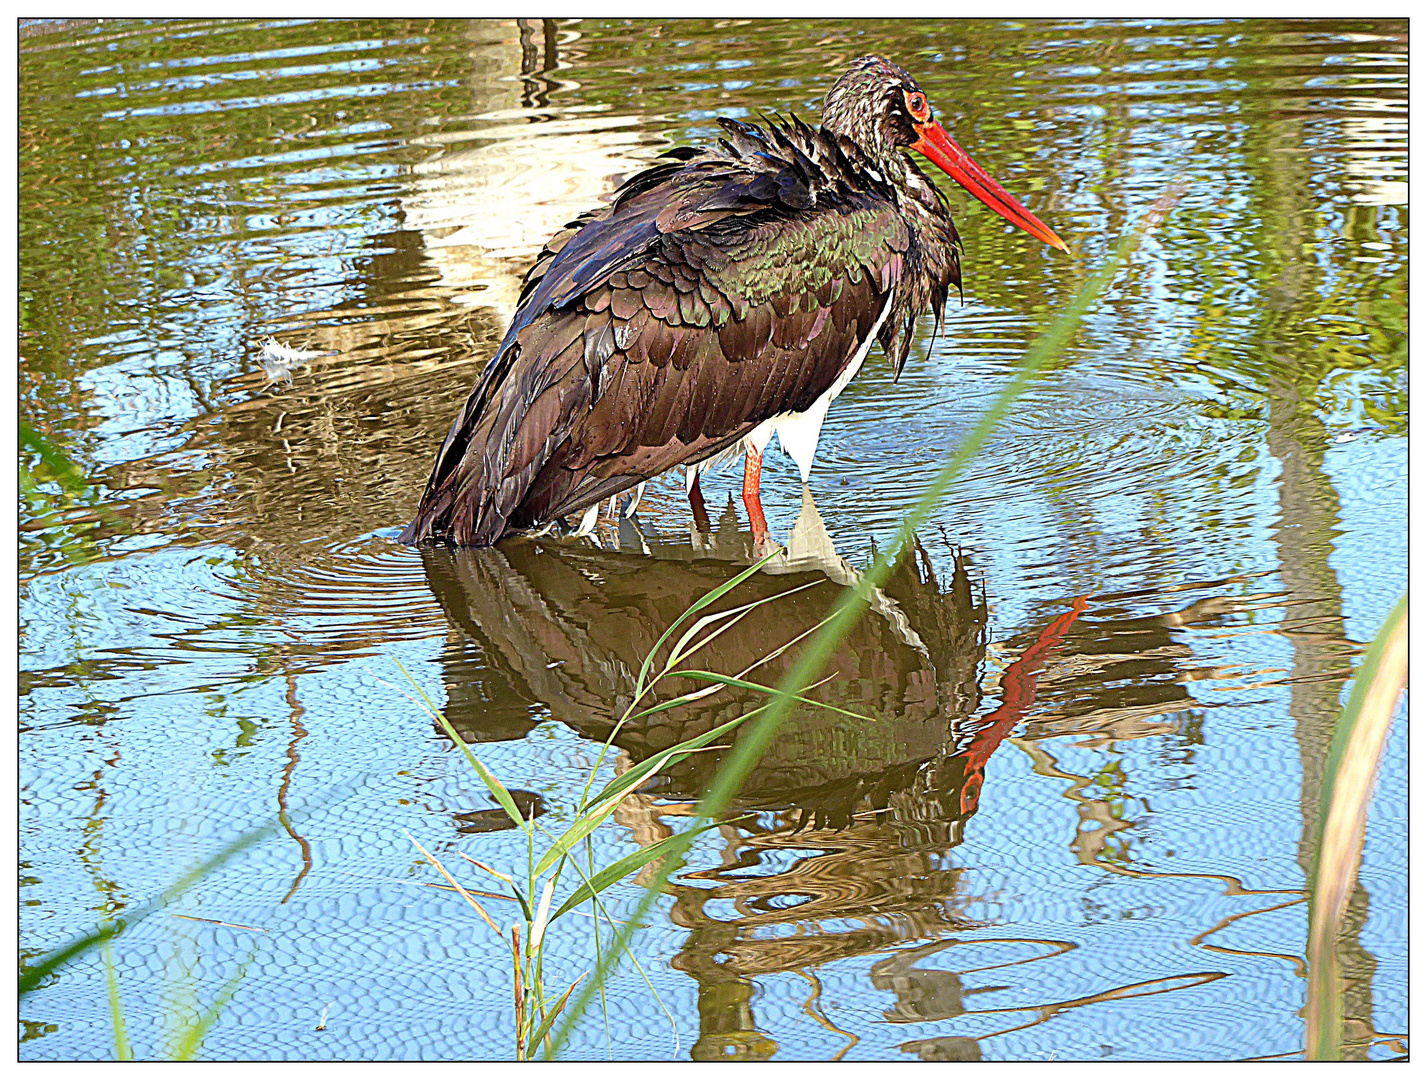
x=722 y=296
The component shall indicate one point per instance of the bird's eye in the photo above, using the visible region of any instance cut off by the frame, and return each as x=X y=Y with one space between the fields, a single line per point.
x=917 y=105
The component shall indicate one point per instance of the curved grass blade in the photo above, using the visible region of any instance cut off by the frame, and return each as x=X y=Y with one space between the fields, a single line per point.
x=192 y=1037
x=632 y=778
x=587 y=822
x=122 y=1050
x=1348 y=775
x=729 y=680
x=66 y=471
x=678 y=654
x=488 y=778
x=519 y=896
x=704 y=601
x=434 y=861
x=31 y=977
x=618 y=871
x=544 y=1027
x=597 y=909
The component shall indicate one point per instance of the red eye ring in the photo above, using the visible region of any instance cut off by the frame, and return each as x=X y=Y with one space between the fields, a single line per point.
x=917 y=105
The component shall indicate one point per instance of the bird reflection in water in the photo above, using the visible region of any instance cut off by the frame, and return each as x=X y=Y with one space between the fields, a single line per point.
x=565 y=628
x=841 y=853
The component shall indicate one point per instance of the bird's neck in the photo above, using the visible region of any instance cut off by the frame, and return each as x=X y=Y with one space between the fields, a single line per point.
x=921 y=203
x=917 y=192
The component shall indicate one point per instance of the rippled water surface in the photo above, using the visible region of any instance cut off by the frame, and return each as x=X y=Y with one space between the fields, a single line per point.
x=1106 y=859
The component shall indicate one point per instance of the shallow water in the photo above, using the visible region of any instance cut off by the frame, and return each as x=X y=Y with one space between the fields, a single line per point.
x=1102 y=860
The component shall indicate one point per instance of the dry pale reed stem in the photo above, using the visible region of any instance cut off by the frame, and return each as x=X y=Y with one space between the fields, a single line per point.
x=454 y=883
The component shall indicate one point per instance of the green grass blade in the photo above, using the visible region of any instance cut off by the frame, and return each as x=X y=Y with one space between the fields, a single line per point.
x=1348 y=774
x=597 y=909
x=677 y=655
x=59 y=463
x=599 y=957
x=641 y=689
x=544 y=1027
x=729 y=680
x=756 y=736
x=32 y=976
x=587 y=822
x=488 y=778
x=632 y=778
x=674 y=703
x=519 y=896
x=122 y=1050
x=618 y=871
x=192 y=1037
x=704 y=601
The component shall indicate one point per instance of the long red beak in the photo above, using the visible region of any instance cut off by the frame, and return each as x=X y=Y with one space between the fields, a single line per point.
x=936 y=144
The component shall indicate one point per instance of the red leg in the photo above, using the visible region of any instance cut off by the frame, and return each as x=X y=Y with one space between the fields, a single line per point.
x=752 y=473
x=696 y=503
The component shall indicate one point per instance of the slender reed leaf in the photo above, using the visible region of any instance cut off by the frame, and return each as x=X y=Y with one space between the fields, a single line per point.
x=122 y=1051
x=1348 y=775
x=733 y=615
x=488 y=778
x=192 y=1036
x=617 y=871
x=66 y=471
x=585 y=823
x=489 y=870
x=704 y=601
x=519 y=896
x=633 y=777
x=434 y=861
x=31 y=977
x=544 y=1027
x=599 y=958
x=729 y=680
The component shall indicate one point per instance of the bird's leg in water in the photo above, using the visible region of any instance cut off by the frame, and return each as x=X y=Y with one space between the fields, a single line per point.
x=696 y=504
x=752 y=473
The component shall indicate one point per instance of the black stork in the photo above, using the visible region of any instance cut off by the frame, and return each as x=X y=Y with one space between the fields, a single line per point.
x=724 y=295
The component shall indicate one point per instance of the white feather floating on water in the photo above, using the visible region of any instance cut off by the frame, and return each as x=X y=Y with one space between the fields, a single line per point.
x=277 y=360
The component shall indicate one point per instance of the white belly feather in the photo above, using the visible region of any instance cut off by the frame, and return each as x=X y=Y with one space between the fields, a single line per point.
x=797 y=433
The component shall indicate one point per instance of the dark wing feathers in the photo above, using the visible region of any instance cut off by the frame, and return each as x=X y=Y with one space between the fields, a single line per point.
x=716 y=290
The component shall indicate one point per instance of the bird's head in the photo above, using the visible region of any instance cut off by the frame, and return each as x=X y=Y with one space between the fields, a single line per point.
x=880 y=107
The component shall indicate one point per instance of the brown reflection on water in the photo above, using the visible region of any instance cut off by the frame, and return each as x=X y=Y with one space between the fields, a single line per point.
x=333 y=446
x=566 y=627
x=293 y=758
x=846 y=855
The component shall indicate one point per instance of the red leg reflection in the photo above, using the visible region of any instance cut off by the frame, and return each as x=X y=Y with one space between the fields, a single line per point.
x=752 y=473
